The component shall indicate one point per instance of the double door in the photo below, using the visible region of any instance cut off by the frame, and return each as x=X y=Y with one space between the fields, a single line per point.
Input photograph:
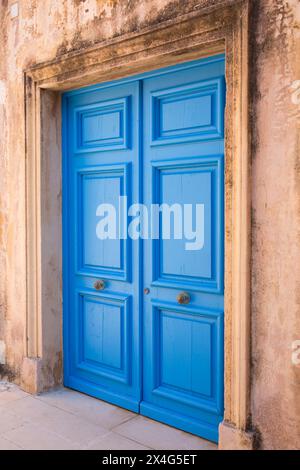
x=143 y=244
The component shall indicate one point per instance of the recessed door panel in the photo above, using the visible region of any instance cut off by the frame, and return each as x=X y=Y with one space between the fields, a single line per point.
x=186 y=350
x=100 y=249
x=103 y=341
x=189 y=112
x=190 y=192
x=104 y=125
x=102 y=334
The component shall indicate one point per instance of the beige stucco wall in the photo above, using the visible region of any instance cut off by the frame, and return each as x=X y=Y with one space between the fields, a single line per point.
x=45 y=29
x=275 y=219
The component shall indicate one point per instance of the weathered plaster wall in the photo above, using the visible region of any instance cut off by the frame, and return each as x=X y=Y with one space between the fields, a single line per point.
x=3 y=200
x=45 y=29
x=275 y=39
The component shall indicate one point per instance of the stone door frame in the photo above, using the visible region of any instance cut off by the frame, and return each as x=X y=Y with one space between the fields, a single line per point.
x=219 y=29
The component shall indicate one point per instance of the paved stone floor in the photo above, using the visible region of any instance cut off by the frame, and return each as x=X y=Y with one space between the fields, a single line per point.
x=65 y=419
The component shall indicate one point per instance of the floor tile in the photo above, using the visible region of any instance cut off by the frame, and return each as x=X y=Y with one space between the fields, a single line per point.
x=31 y=409
x=113 y=441
x=63 y=423
x=74 y=428
x=7 y=445
x=10 y=392
x=72 y=401
x=66 y=419
x=91 y=409
x=160 y=436
x=109 y=418
x=9 y=420
x=35 y=437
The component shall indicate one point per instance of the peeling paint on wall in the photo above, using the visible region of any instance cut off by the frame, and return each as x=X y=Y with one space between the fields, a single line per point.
x=2 y=352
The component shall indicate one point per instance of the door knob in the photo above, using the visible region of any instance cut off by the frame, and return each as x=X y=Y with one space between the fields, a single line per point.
x=183 y=298
x=99 y=285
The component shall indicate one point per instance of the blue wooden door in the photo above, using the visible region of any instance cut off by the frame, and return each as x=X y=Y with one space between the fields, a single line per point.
x=183 y=165
x=143 y=318
x=101 y=321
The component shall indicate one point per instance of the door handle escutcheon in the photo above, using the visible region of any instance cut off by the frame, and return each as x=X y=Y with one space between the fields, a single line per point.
x=99 y=285
x=183 y=298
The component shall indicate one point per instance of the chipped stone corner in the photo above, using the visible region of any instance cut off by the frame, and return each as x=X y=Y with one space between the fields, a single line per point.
x=30 y=375
x=232 y=438
x=38 y=375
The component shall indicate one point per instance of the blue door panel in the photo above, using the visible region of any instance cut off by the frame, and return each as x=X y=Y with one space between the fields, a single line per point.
x=157 y=138
x=94 y=186
x=175 y=110
x=101 y=327
x=196 y=180
x=183 y=162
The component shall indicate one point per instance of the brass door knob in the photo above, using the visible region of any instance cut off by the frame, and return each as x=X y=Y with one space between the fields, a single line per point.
x=183 y=298
x=99 y=285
